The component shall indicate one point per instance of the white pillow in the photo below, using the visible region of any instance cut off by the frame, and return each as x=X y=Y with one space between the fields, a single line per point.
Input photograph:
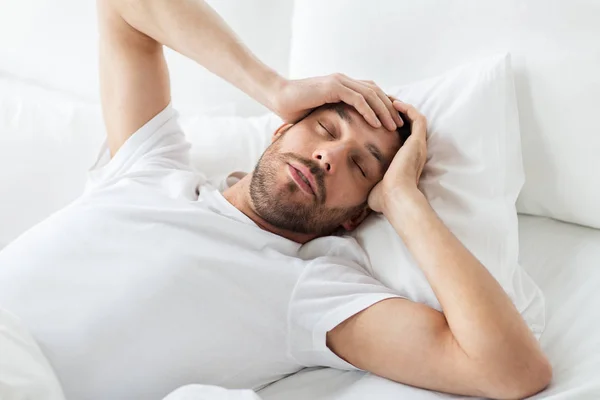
x=553 y=44
x=24 y=371
x=208 y=392
x=472 y=179
x=221 y=145
x=47 y=143
x=49 y=140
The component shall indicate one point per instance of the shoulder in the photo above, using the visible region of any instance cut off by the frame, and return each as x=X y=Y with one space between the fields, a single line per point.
x=336 y=250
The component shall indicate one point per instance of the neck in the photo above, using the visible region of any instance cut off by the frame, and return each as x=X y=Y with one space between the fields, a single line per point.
x=239 y=196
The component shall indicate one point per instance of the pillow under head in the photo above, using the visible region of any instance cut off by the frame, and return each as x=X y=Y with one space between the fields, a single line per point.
x=472 y=178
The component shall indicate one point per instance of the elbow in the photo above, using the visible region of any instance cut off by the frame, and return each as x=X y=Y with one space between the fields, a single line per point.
x=522 y=382
x=531 y=383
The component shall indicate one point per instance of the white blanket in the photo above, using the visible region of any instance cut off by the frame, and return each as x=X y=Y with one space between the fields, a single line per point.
x=24 y=371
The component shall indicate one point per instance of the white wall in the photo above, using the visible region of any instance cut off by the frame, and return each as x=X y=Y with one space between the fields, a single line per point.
x=53 y=42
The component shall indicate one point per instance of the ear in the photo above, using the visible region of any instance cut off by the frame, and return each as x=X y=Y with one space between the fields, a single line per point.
x=280 y=131
x=355 y=221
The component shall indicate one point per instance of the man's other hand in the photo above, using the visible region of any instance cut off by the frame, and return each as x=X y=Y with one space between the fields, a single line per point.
x=402 y=176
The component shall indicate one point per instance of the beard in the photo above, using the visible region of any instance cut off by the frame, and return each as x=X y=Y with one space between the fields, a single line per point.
x=275 y=202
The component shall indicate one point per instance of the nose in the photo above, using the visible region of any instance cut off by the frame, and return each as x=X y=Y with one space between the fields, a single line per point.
x=330 y=157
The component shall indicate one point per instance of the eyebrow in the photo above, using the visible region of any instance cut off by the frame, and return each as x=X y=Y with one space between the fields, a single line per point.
x=344 y=115
x=377 y=154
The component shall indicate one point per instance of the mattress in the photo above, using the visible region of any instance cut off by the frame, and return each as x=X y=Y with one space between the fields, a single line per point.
x=564 y=260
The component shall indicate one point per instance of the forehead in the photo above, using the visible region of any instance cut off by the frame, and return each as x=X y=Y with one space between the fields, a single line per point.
x=356 y=128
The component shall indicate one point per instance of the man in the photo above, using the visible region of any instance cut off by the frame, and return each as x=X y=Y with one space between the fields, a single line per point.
x=153 y=280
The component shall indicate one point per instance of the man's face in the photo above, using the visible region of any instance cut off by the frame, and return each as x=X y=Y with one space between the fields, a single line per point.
x=316 y=176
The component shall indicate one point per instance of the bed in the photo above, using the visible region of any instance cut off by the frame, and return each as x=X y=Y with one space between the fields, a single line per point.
x=564 y=259
x=554 y=44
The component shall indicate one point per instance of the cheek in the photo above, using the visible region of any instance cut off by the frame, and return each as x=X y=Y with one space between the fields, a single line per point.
x=296 y=143
x=344 y=191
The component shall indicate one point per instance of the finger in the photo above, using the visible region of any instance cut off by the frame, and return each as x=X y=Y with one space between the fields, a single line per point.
x=356 y=100
x=418 y=120
x=367 y=81
x=411 y=112
x=387 y=100
x=375 y=102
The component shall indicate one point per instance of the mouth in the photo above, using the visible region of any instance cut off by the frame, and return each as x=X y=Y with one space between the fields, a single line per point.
x=303 y=178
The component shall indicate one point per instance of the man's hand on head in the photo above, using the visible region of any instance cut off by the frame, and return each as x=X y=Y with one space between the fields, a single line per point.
x=403 y=174
x=294 y=99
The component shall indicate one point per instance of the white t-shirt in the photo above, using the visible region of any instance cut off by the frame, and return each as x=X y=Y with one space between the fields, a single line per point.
x=152 y=280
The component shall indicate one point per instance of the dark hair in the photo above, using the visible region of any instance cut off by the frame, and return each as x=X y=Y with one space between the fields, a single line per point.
x=405 y=130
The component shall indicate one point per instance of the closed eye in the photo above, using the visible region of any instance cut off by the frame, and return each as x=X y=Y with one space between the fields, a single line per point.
x=360 y=168
x=327 y=130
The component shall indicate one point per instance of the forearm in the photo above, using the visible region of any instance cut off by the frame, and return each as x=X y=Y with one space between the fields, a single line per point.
x=195 y=30
x=481 y=317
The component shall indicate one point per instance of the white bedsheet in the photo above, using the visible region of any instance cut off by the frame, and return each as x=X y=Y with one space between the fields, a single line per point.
x=564 y=260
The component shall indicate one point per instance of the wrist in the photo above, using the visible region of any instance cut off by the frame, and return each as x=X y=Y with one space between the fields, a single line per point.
x=272 y=89
x=260 y=82
x=398 y=198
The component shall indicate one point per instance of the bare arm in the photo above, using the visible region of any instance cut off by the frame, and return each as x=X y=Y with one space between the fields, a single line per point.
x=133 y=73
x=135 y=82
x=480 y=345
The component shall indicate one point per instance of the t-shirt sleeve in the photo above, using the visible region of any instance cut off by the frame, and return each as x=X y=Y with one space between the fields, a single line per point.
x=331 y=289
x=158 y=145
